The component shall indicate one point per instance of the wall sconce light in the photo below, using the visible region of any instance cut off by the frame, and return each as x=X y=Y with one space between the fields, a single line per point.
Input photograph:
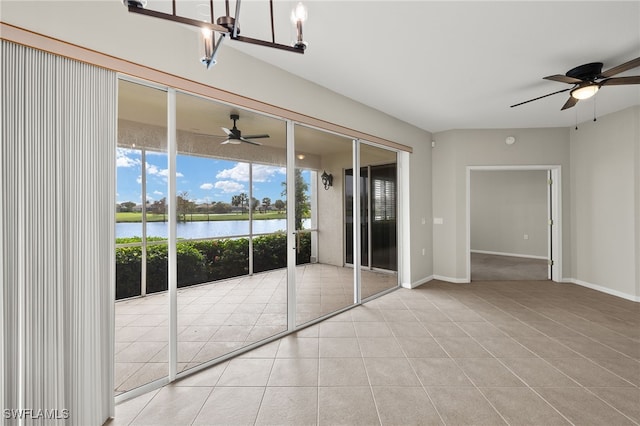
x=327 y=180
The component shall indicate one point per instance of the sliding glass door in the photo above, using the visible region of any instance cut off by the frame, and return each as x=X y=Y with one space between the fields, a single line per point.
x=235 y=228
x=141 y=320
x=323 y=284
x=231 y=249
x=377 y=219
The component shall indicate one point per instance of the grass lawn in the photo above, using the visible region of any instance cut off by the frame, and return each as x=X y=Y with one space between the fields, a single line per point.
x=198 y=217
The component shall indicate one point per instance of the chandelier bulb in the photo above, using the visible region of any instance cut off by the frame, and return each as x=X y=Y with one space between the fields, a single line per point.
x=299 y=13
x=208 y=42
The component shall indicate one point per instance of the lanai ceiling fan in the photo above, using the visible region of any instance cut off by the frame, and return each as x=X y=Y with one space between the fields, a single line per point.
x=234 y=135
x=587 y=79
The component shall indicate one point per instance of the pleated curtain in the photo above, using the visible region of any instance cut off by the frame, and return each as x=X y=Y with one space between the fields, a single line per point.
x=57 y=207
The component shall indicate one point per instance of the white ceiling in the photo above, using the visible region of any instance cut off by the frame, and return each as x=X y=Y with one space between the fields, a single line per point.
x=457 y=65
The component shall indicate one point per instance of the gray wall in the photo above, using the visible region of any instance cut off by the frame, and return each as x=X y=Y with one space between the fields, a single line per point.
x=506 y=205
x=457 y=149
x=604 y=202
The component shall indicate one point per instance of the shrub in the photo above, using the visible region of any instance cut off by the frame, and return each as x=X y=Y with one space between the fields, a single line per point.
x=233 y=260
x=201 y=261
x=128 y=271
x=269 y=252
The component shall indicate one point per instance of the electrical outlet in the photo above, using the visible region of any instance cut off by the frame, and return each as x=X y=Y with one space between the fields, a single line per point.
x=526 y=236
x=424 y=251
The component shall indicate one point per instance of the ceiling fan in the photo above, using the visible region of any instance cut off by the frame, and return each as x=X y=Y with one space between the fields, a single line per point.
x=234 y=135
x=587 y=79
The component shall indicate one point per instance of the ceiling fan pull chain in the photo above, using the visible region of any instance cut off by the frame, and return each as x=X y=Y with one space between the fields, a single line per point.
x=594 y=108
x=576 y=118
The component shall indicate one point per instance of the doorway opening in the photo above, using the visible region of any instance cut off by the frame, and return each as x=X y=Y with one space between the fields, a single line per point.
x=513 y=223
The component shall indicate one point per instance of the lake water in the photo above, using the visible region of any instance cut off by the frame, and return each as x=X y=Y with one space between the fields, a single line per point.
x=203 y=229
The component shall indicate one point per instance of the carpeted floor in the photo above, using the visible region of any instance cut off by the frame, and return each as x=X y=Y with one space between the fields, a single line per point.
x=488 y=267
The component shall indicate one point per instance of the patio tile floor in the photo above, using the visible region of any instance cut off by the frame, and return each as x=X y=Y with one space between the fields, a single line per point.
x=217 y=318
x=329 y=374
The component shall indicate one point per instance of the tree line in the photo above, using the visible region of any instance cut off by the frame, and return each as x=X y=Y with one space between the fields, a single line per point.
x=185 y=206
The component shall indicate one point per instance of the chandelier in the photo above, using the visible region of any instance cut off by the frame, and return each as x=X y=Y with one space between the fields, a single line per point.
x=227 y=26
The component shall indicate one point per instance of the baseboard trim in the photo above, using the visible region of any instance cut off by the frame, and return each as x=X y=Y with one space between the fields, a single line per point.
x=418 y=283
x=603 y=289
x=451 y=280
x=434 y=277
x=497 y=253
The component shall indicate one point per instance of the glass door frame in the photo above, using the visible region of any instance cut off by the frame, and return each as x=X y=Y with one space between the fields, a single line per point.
x=172 y=373
x=356 y=209
x=357 y=240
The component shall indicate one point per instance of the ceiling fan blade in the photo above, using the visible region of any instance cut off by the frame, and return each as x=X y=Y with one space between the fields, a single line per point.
x=225 y=142
x=618 y=81
x=634 y=63
x=569 y=104
x=540 y=97
x=248 y=141
x=210 y=136
x=227 y=131
x=563 y=79
x=256 y=136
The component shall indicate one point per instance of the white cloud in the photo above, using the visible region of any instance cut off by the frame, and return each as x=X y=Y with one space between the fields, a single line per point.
x=157 y=193
x=125 y=160
x=261 y=172
x=153 y=170
x=206 y=186
x=229 y=186
x=239 y=172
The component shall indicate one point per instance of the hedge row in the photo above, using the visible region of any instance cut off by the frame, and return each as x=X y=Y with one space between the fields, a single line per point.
x=202 y=261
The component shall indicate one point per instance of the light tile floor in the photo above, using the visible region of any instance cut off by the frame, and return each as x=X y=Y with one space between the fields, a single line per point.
x=487 y=353
x=217 y=318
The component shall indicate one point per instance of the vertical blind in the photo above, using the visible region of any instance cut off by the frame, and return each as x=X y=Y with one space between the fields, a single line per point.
x=57 y=176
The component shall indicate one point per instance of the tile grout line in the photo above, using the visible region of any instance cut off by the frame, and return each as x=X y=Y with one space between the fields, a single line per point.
x=508 y=368
x=462 y=370
x=585 y=388
x=366 y=371
x=424 y=389
x=558 y=341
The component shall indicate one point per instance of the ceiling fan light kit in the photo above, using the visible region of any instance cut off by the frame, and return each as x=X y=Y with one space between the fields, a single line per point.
x=227 y=26
x=587 y=80
x=584 y=92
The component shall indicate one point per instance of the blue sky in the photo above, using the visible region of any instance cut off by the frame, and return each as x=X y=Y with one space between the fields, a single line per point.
x=205 y=179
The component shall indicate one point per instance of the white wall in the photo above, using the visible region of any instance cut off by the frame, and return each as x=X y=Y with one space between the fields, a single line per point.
x=331 y=209
x=506 y=206
x=457 y=149
x=173 y=49
x=604 y=203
